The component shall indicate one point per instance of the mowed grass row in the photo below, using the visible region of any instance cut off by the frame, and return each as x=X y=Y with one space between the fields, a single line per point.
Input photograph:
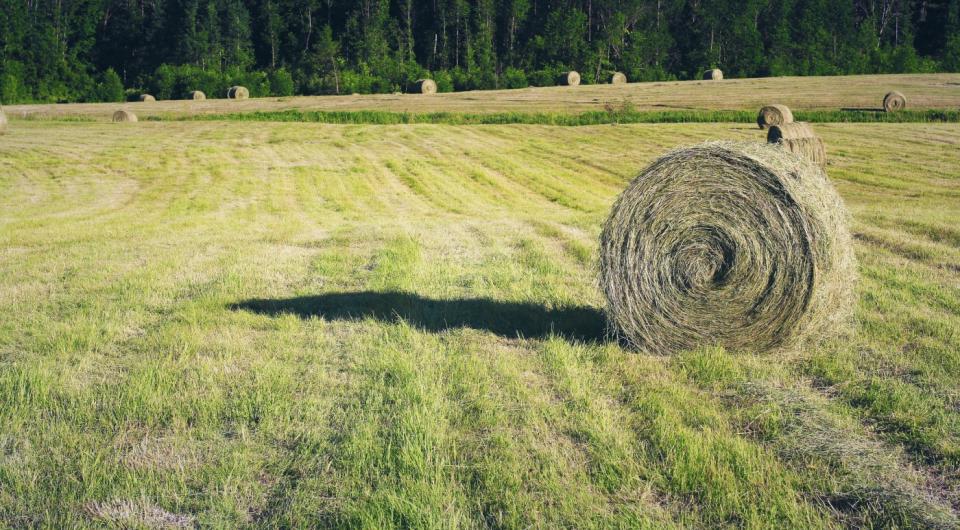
x=272 y=324
x=614 y=115
x=623 y=114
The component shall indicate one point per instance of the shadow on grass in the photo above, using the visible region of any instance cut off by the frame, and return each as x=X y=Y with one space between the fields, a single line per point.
x=507 y=319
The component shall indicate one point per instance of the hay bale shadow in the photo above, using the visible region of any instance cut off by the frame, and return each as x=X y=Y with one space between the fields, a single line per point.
x=507 y=319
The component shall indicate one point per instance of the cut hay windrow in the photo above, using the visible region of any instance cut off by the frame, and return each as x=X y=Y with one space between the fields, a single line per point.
x=618 y=78
x=713 y=75
x=570 y=78
x=124 y=116
x=238 y=92
x=774 y=115
x=196 y=95
x=734 y=244
x=894 y=101
x=798 y=138
x=147 y=98
x=425 y=86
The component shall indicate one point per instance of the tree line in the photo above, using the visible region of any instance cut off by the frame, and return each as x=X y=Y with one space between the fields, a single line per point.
x=108 y=50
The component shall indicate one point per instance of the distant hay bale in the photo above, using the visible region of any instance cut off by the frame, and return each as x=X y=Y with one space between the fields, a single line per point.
x=734 y=244
x=618 y=78
x=147 y=98
x=238 y=92
x=570 y=78
x=196 y=95
x=425 y=86
x=774 y=115
x=799 y=139
x=3 y=122
x=124 y=115
x=713 y=75
x=894 y=101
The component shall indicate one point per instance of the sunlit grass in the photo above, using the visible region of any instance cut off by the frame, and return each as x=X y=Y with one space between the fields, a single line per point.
x=236 y=324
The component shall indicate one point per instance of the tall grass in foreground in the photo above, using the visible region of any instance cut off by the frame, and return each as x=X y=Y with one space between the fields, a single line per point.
x=603 y=117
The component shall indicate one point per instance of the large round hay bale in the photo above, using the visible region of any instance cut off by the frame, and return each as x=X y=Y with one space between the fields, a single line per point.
x=3 y=122
x=124 y=116
x=147 y=98
x=798 y=138
x=618 y=78
x=425 y=86
x=774 y=115
x=570 y=78
x=713 y=75
x=894 y=101
x=733 y=244
x=238 y=92
x=196 y=95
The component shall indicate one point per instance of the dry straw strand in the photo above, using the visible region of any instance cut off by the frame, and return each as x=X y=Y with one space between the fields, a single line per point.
x=571 y=78
x=618 y=78
x=734 y=244
x=774 y=115
x=425 y=86
x=798 y=138
x=124 y=116
x=894 y=101
x=238 y=92
x=147 y=98
x=713 y=75
x=196 y=95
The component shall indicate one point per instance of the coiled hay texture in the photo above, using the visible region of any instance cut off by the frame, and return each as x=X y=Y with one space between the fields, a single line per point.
x=570 y=78
x=713 y=75
x=618 y=78
x=3 y=122
x=147 y=98
x=774 y=115
x=894 y=101
x=799 y=139
x=124 y=115
x=734 y=244
x=197 y=95
x=425 y=86
x=238 y=92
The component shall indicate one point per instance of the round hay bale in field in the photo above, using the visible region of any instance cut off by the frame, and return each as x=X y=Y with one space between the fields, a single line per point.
x=425 y=86
x=713 y=75
x=3 y=122
x=733 y=244
x=197 y=95
x=798 y=138
x=618 y=78
x=774 y=115
x=570 y=78
x=238 y=92
x=124 y=116
x=147 y=98
x=894 y=101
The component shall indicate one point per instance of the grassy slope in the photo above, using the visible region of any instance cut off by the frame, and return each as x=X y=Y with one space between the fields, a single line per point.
x=162 y=358
x=923 y=91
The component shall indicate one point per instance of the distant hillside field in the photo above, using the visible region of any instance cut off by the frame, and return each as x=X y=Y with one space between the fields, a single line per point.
x=923 y=91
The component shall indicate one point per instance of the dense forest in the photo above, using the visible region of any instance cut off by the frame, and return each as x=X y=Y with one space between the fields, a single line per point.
x=107 y=50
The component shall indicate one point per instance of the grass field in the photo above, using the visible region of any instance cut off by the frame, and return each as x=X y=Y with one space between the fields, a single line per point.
x=863 y=92
x=293 y=324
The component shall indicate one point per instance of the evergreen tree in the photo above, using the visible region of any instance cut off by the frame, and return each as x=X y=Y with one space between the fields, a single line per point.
x=53 y=50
